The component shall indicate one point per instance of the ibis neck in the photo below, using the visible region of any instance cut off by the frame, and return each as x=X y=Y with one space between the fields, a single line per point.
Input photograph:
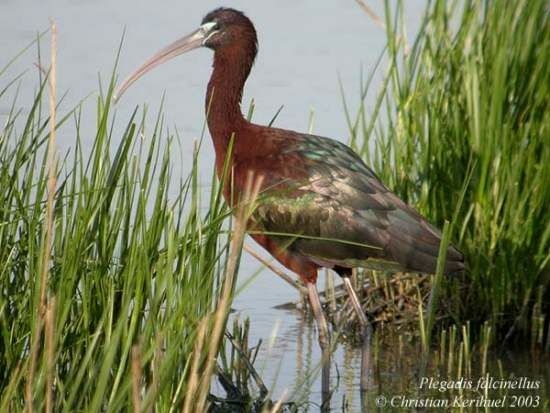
x=223 y=96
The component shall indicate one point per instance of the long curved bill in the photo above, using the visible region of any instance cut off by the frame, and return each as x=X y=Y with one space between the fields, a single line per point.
x=183 y=45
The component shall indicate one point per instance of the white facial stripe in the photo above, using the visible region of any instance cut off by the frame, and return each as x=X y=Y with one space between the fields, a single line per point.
x=209 y=36
x=206 y=27
x=205 y=30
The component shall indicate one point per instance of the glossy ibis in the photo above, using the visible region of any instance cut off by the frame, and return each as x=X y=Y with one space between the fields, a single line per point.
x=335 y=210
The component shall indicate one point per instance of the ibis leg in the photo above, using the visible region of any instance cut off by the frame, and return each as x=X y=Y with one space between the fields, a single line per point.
x=367 y=371
x=324 y=342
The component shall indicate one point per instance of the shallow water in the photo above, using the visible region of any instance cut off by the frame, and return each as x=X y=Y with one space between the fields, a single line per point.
x=304 y=47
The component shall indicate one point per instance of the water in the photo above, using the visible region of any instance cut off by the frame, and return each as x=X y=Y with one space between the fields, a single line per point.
x=304 y=46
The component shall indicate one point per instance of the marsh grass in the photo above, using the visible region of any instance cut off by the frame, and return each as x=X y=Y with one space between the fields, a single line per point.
x=460 y=130
x=124 y=304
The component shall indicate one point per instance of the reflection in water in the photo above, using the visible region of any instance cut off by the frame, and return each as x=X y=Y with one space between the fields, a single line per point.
x=398 y=364
x=306 y=383
x=349 y=361
x=304 y=373
x=300 y=368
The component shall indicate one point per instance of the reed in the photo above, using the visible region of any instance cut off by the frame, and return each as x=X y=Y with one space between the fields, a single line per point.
x=114 y=284
x=459 y=129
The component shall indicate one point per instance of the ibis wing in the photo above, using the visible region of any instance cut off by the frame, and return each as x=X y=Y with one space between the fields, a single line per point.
x=339 y=213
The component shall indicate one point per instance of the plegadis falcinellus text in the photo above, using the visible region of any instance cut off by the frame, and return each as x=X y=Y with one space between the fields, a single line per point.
x=337 y=211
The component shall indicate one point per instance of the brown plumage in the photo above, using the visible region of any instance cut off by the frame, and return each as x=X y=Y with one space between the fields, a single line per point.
x=335 y=210
x=313 y=186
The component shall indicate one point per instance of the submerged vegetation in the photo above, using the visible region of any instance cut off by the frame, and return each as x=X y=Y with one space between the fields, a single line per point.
x=119 y=299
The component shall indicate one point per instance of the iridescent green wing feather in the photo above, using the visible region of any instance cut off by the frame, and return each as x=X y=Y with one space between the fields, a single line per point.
x=336 y=211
